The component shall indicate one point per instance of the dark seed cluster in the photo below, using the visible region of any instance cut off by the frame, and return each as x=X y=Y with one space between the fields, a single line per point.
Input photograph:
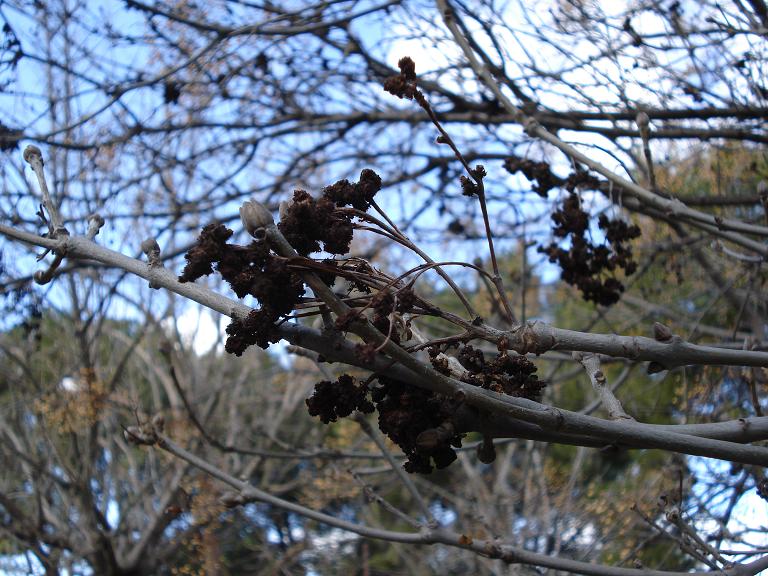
x=254 y=270
x=468 y=187
x=546 y=180
x=358 y=195
x=420 y=421
x=333 y=400
x=257 y=328
x=404 y=84
x=406 y=413
x=505 y=374
x=308 y=222
x=416 y=420
x=209 y=248
x=538 y=171
x=585 y=264
x=250 y=270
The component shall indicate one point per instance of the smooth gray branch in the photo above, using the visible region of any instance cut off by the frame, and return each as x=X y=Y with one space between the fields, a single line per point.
x=591 y=363
x=34 y=158
x=500 y=410
x=246 y=493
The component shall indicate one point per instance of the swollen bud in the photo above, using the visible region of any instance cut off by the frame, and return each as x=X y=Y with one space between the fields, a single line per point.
x=661 y=332
x=255 y=217
x=151 y=248
x=32 y=153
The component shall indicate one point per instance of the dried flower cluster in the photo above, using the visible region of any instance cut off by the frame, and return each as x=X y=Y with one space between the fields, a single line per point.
x=308 y=222
x=532 y=170
x=256 y=271
x=404 y=84
x=469 y=186
x=250 y=270
x=408 y=414
x=584 y=264
x=333 y=400
x=505 y=374
x=420 y=422
x=546 y=180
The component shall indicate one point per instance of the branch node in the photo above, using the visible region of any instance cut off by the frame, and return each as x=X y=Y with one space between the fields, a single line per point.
x=591 y=363
x=95 y=222
x=661 y=332
x=151 y=249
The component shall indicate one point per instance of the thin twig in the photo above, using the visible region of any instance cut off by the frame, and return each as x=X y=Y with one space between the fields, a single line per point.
x=404 y=477
x=591 y=363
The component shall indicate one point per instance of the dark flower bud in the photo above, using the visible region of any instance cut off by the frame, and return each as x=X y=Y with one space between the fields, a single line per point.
x=407 y=68
x=486 y=452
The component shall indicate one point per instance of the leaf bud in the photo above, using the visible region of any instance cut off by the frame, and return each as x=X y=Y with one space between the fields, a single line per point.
x=255 y=217
x=150 y=247
x=661 y=332
x=32 y=153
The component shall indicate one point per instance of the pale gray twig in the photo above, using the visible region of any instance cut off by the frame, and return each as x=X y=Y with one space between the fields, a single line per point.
x=591 y=363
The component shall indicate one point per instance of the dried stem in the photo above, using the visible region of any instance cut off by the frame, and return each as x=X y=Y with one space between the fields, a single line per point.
x=477 y=177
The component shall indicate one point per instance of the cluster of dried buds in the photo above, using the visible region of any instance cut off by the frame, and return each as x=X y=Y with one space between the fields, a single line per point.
x=256 y=270
x=588 y=266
